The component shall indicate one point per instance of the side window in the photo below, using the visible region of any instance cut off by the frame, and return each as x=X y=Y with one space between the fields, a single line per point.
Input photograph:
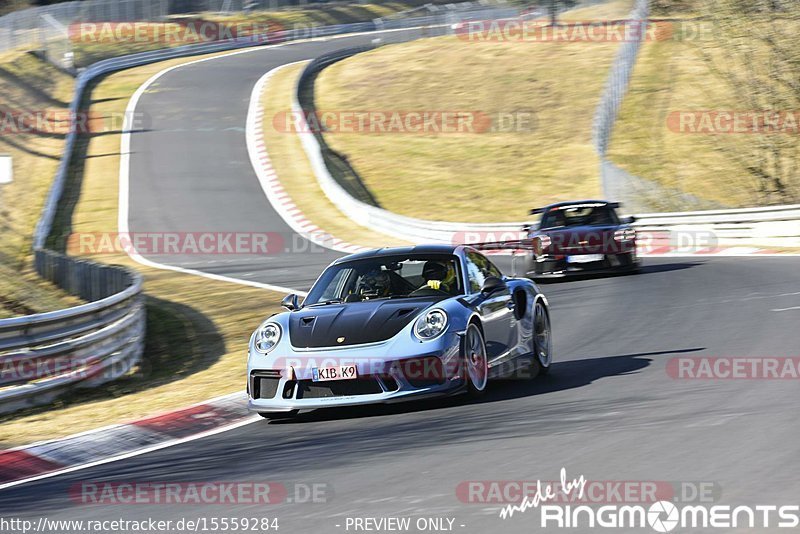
x=491 y=270
x=479 y=268
x=474 y=274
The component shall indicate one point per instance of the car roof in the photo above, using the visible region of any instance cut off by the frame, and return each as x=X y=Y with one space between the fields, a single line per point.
x=399 y=251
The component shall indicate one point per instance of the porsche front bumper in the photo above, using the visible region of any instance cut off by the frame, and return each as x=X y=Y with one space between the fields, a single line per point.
x=283 y=384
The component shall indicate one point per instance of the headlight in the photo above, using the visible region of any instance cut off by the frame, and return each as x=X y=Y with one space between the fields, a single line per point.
x=543 y=243
x=431 y=324
x=628 y=234
x=267 y=336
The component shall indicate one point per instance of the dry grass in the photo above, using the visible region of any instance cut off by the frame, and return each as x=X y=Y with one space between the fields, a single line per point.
x=30 y=85
x=670 y=77
x=88 y=51
x=614 y=9
x=197 y=340
x=470 y=176
x=294 y=170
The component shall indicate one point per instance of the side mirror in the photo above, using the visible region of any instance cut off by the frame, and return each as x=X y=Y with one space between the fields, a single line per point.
x=290 y=302
x=491 y=285
x=631 y=219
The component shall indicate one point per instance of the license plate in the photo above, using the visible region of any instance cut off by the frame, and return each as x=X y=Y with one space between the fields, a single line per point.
x=341 y=372
x=585 y=258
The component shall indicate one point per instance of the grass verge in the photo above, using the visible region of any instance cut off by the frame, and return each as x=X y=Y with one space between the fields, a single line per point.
x=295 y=173
x=477 y=177
x=196 y=343
x=710 y=69
x=492 y=176
x=29 y=85
x=91 y=46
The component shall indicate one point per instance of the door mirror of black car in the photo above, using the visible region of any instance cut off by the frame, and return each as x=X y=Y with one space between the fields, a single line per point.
x=631 y=219
x=491 y=285
x=290 y=302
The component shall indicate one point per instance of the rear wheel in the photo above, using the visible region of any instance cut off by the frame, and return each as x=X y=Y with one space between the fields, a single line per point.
x=476 y=363
x=542 y=338
x=278 y=415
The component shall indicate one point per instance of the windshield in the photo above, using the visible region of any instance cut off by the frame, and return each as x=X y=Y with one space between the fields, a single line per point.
x=579 y=215
x=386 y=277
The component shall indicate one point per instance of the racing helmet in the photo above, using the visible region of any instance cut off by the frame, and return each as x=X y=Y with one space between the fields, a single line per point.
x=375 y=283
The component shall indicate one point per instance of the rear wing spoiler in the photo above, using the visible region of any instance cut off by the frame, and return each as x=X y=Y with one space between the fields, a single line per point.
x=612 y=205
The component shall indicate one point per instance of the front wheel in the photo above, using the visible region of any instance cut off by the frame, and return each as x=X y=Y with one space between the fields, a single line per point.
x=542 y=339
x=475 y=361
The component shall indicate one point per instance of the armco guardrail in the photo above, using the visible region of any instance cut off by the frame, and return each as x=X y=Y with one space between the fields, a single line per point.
x=338 y=166
x=47 y=354
x=773 y=225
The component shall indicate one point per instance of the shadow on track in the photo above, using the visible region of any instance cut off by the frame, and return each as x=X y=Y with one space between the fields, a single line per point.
x=645 y=270
x=562 y=376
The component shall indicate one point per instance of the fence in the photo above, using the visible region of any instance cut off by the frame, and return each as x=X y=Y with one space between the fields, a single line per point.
x=773 y=226
x=47 y=26
x=637 y=193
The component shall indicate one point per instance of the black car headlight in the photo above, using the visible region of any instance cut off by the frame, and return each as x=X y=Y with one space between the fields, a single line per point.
x=431 y=324
x=266 y=337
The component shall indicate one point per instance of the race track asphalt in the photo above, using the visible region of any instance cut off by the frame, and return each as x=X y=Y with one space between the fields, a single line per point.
x=608 y=410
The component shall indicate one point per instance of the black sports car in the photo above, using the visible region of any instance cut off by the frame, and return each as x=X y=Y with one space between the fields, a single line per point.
x=579 y=238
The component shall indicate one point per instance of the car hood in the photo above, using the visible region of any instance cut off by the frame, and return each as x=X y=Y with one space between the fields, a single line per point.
x=355 y=323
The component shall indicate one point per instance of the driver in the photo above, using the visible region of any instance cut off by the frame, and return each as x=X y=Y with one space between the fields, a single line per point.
x=439 y=275
x=375 y=283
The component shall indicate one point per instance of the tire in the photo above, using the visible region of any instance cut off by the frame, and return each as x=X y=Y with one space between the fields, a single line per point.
x=274 y=416
x=476 y=362
x=542 y=339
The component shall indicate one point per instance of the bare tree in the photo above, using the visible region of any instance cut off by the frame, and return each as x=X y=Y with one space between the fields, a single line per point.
x=757 y=56
x=556 y=6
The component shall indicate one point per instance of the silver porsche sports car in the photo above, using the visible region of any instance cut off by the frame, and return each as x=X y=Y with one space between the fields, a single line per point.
x=398 y=323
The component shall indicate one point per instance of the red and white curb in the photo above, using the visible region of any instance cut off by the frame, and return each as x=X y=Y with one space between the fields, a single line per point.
x=268 y=178
x=116 y=442
x=651 y=243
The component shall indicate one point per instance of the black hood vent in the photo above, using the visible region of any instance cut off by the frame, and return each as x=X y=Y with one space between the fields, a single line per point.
x=355 y=323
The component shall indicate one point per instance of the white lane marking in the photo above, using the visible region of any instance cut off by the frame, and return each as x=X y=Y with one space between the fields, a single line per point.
x=122 y=224
x=786 y=309
x=124 y=186
x=249 y=420
x=262 y=165
x=124 y=166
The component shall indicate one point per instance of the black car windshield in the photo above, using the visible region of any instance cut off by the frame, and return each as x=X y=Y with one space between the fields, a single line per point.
x=384 y=277
x=579 y=215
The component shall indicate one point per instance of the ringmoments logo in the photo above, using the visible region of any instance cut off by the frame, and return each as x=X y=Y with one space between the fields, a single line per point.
x=660 y=516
